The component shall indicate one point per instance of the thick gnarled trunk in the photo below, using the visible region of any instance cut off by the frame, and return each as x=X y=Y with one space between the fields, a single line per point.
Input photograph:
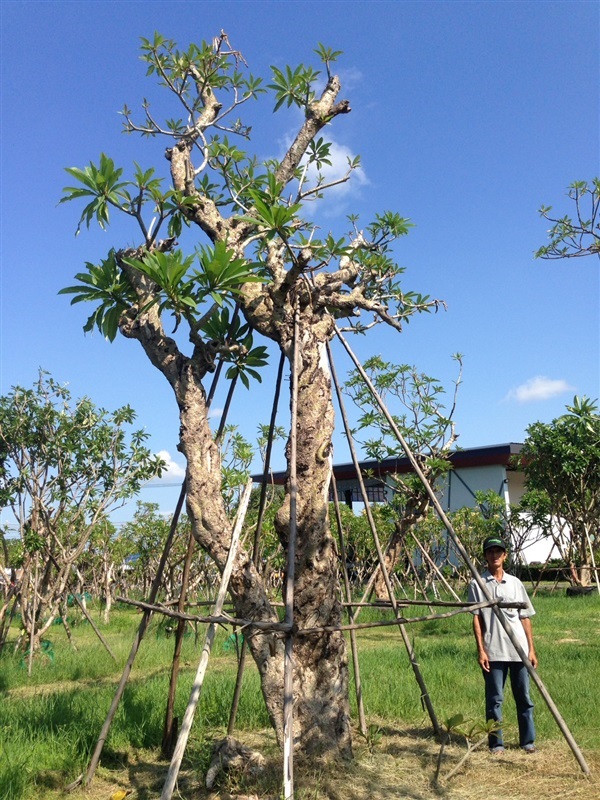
x=321 y=710
x=321 y=707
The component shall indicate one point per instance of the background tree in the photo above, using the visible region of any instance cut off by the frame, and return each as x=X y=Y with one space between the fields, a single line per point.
x=561 y=462
x=572 y=237
x=143 y=539
x=104 y=558
x=427 y=426
x=262 y=252
x=358 y=538
x=472 y=524
x=63 y=467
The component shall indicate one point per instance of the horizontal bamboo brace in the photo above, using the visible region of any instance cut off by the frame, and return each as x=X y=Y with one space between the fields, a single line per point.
x=383 y=623
x=282 y=627
x=223 y=619
x=447 y=603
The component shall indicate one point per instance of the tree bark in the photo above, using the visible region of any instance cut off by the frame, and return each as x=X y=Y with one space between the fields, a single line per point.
x=322 y=712
x=414 y=513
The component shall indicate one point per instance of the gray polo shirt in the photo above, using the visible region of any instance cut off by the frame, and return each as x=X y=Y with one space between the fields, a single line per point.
x=495 y=640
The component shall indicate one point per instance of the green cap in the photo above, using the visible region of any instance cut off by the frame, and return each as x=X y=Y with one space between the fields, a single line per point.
x=494 y=541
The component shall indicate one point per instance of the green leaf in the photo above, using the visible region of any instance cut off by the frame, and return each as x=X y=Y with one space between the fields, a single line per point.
x=222 y=274
x=105 y=285
x=326 y=54
x=102 y=185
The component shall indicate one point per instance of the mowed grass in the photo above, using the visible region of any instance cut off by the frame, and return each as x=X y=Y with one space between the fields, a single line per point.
x=567 y=639
x=49 y=723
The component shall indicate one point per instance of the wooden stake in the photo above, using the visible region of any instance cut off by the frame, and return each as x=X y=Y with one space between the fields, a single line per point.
x=136 y=642
x=188 y=717
x=288 y=663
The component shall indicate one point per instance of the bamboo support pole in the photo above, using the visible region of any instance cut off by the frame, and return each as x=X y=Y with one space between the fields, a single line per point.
x=387 y=623
x=209 y=619
x=259 y=627
x=9 y=596
x=219 y=369
x=458 y=544
x=136 y=643
x=188 y=717
x=33 y=613
x=408 y=602
x=409 y=648
x=418 y=583
x=226 y=407
x=170 y=726
x=169 y=732
x=434 y=566
x=543 y=570
x=589 y=541
x=288 y=664
x=255 y=546
x=6 y=621
x=85 y=613
x=362 y=720
x=95 y=628
x=237 y=692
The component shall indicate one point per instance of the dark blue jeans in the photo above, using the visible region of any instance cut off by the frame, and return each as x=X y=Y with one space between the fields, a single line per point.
x=494 y=696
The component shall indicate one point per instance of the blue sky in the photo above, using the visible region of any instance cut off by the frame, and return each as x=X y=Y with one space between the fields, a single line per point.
x=468 y=116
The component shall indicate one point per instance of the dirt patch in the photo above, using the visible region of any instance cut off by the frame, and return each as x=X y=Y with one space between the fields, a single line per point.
x=401 y=764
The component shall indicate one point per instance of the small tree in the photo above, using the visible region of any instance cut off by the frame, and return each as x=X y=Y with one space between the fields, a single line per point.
x=105 y=555
x=573 y=237
x=143 y=538
x=62 y=468
x=561 y=462
x=427 y=426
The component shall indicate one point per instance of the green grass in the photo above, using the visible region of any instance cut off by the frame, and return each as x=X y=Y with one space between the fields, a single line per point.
x=567 y=638
x=49 y=723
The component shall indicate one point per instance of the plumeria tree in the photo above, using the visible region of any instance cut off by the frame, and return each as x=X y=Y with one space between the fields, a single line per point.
x=258 y=252
x=578 y=234
x=419 y=413
x=63 y=468
x=561 y=462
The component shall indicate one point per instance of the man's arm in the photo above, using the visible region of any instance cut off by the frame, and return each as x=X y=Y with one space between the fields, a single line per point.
x=528 y=628
x=482 y=656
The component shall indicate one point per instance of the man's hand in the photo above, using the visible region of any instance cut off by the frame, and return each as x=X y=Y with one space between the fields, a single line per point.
x=484 y=661
x=482 y=656
x=533 y=658
x=526 y=623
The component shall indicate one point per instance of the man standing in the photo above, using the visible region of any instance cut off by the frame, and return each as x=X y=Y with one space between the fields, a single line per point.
x=496 y=654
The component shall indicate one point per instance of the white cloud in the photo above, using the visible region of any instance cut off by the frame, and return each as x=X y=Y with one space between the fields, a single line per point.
x=539 y=388
x=337 y=195
x=350 y=79
x=172 y=470
x=339 y=155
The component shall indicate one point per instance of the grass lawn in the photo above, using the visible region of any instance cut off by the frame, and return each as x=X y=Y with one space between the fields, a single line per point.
x=49 y=723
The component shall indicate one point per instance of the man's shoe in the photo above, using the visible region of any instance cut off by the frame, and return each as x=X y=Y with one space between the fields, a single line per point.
x=529 y=748
x=498 y=750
